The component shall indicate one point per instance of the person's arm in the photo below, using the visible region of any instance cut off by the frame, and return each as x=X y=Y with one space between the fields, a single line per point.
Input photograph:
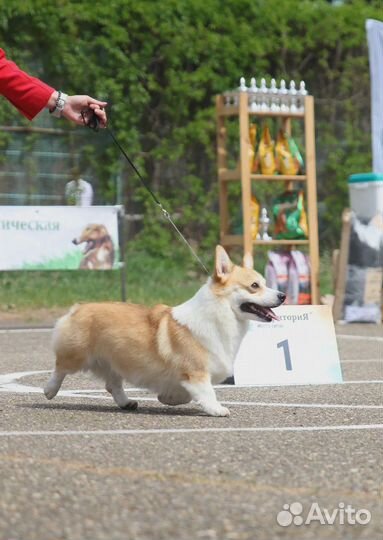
x=30 y=95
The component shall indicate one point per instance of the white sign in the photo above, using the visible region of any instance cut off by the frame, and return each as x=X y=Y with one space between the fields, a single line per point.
x=301 y=348
x=58 y=237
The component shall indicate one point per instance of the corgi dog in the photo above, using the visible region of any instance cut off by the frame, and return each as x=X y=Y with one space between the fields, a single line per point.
x=177 y=352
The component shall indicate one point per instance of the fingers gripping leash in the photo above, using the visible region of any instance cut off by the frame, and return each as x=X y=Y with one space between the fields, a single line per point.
x=91 y=120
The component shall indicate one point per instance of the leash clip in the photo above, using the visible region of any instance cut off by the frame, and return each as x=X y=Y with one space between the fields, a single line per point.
x=164 y=211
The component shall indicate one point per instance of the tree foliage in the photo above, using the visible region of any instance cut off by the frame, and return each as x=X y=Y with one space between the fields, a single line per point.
x=160 y=64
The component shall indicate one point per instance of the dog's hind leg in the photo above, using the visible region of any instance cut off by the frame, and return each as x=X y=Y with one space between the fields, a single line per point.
x=114 y=386
x=203 y=393
x=54 y=384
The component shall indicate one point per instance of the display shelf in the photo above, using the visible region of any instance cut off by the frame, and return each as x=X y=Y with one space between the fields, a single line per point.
x=237 y=240
x=233 y=110
x=243 y=174
x=279 y=177
x=235 y=175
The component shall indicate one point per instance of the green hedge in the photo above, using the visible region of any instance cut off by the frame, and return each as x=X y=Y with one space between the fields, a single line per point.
x=160 y=64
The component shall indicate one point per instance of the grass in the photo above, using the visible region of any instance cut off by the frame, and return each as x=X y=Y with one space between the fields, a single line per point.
x=150 y=280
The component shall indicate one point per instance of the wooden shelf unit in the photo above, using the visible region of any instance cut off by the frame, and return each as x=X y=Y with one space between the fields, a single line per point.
x=242 y=173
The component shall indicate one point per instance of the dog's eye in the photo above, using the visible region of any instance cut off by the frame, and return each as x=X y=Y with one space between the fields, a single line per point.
x=255 y=285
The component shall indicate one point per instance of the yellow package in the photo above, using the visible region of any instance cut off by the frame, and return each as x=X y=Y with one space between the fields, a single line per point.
x=266 y=152
x=254 y=211
x=286 y=162
x=252 y=152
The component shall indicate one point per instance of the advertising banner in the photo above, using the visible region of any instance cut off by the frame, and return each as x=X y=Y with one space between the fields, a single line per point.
x=59 y=237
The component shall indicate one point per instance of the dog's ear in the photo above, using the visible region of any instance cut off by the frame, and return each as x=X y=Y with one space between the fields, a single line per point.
x=223 y=265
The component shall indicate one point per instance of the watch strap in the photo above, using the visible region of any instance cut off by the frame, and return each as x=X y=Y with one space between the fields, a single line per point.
x=59 y=105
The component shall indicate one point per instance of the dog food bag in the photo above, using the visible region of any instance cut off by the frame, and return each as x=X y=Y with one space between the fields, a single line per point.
x=298 y=288
x=296 y=153
x=254 y=209
x=252 y=148
x=277 y=271
x=286 y=159
x=290 y=217
x=266 y=153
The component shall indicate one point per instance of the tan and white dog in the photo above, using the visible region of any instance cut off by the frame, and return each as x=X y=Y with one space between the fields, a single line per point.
x=99 y=250
x=179 y=352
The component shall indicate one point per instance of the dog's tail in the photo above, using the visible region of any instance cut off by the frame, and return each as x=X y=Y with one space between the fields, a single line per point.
x=61 y=322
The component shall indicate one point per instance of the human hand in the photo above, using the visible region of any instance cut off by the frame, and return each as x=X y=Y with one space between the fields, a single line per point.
x=75 y=104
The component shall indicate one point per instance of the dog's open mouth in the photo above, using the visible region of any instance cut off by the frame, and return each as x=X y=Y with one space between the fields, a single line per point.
x=264 y=313
x=89 y=245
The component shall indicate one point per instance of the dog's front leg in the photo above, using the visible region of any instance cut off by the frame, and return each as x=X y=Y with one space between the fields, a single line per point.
x=203 y=393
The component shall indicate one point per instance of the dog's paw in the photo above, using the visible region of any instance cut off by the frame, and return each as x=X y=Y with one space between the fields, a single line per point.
x=50 y=392
x=131 y=405
x=218 y=411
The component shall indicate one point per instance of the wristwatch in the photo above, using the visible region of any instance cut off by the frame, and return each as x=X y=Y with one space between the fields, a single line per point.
x=60 y=104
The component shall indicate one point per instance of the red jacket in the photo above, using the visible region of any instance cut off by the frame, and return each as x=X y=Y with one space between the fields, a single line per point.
x=28 y=94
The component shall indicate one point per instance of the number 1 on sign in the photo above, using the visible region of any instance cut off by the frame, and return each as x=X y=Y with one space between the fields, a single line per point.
x=286 y=351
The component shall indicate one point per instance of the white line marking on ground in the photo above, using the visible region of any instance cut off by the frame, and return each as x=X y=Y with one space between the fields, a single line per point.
x=158 y=431
x=233 y=386
x=20 y=389
x=8 y=383
x=277 y=404
x=246 y=403
x=364 y=361
x=25 y=330
x=366 y=338
x=303 y=405
x=378 y=381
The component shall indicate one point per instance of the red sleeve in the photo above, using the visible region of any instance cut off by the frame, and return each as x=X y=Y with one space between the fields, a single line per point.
x=28 y=94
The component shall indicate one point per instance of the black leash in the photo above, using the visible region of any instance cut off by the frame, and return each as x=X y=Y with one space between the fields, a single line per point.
x=91 y=120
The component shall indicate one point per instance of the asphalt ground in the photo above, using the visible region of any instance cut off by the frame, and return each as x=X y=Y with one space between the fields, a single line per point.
x=78 y=468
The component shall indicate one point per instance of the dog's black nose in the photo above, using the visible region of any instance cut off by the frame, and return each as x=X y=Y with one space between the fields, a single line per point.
x=282 y=296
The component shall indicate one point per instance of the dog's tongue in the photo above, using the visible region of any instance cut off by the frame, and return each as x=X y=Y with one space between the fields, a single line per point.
x=273 y=315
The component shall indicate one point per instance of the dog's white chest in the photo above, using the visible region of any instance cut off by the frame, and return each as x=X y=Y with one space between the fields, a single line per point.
x=213 y=323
